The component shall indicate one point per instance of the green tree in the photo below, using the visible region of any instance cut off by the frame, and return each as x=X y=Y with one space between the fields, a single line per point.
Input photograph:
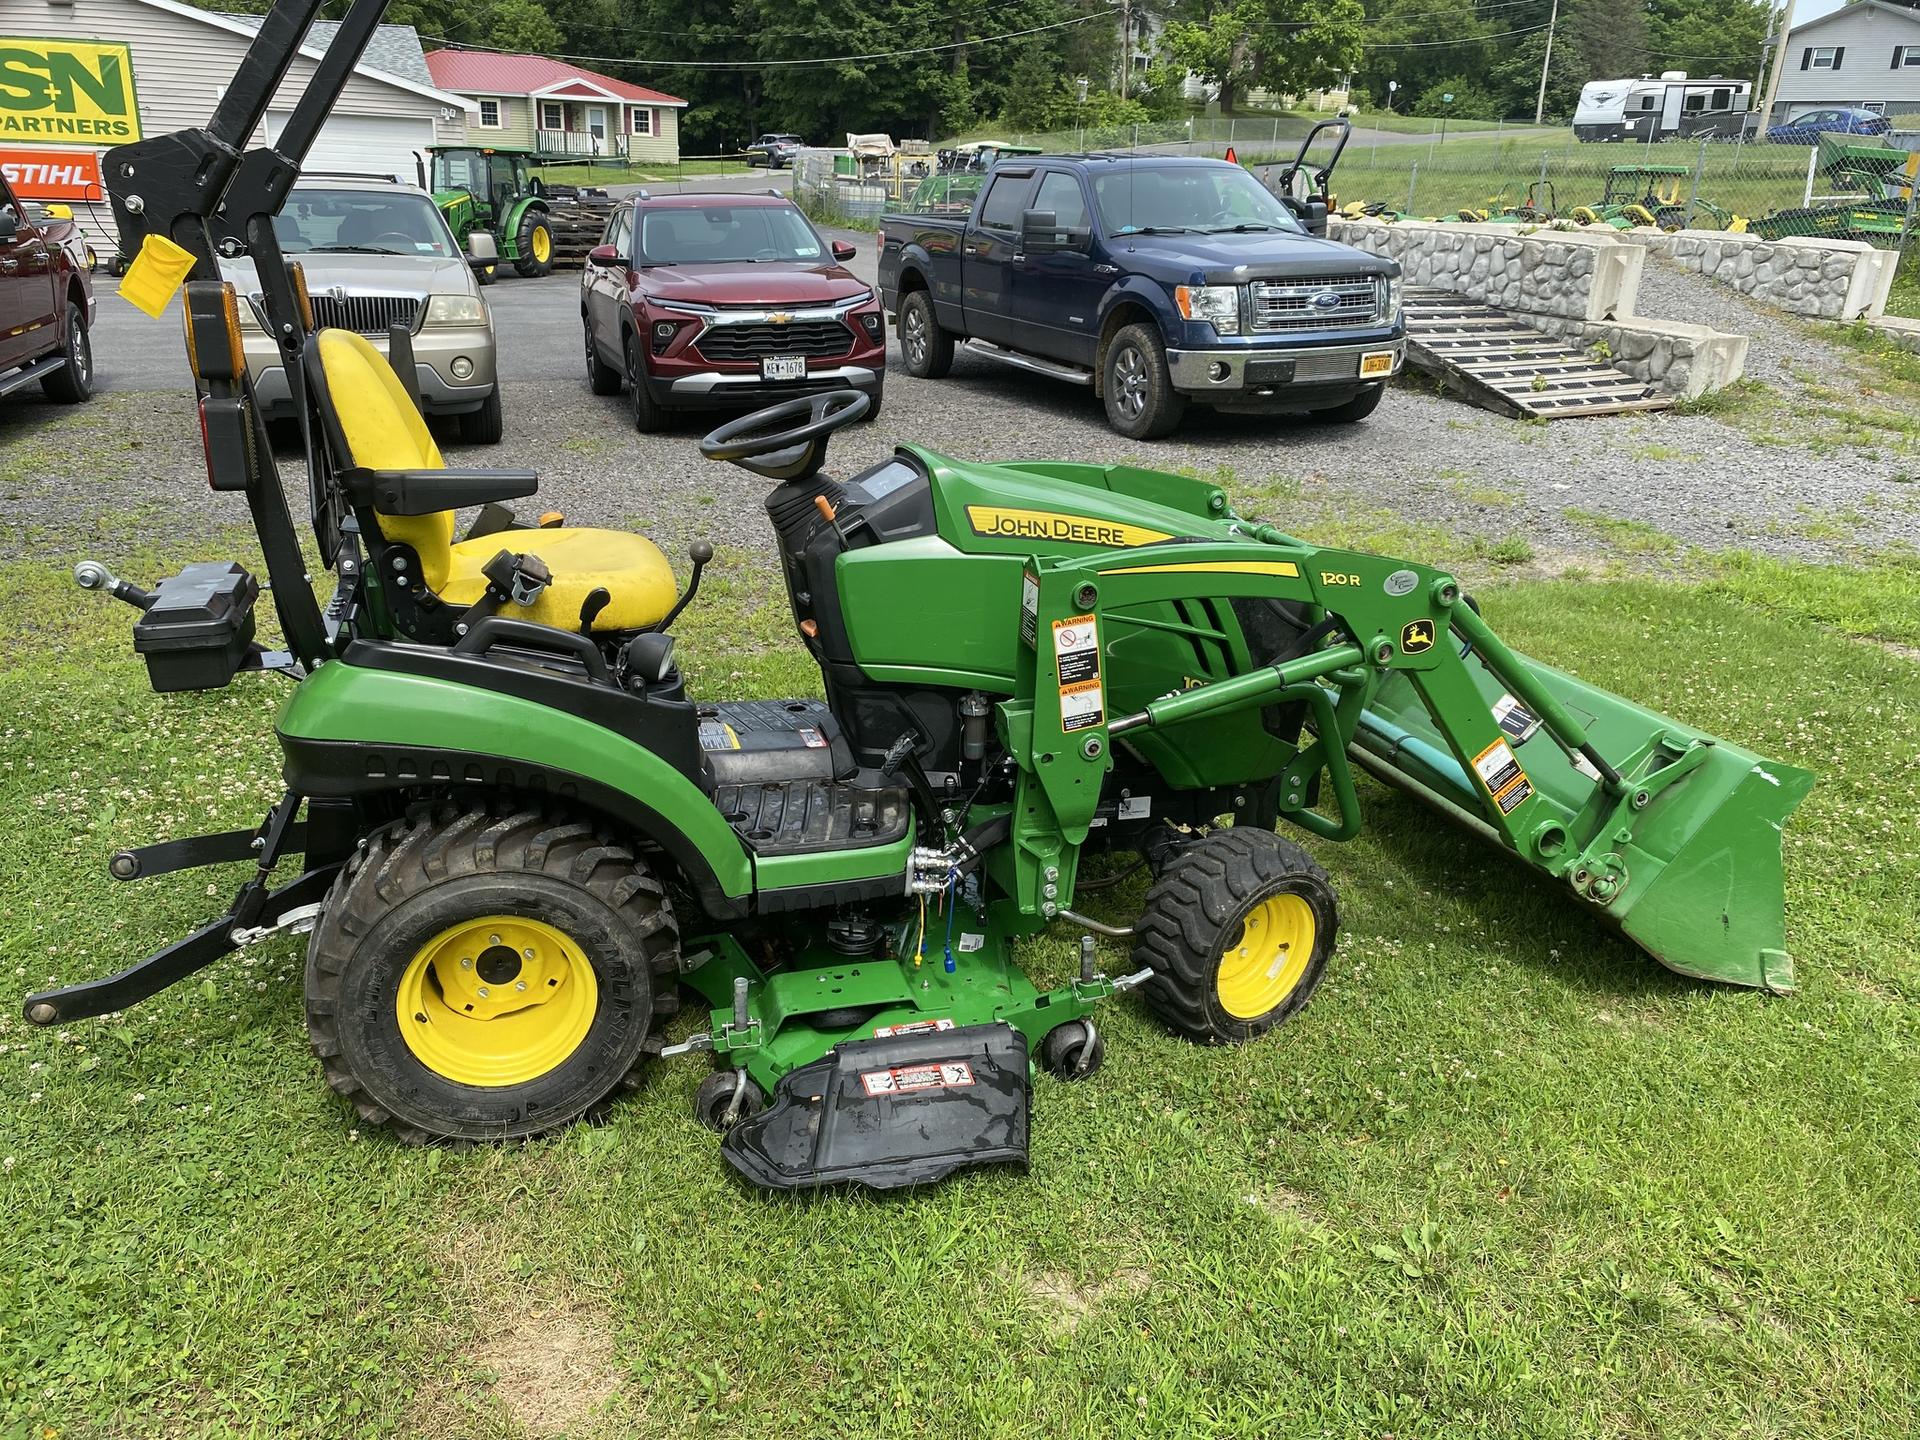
x=1420 y=44
x=1286 y=46
x=1611 y=35
x=1709 y=37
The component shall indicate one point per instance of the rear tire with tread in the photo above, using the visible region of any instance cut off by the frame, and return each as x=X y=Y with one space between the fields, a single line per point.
x=1195 y=912
x=925 y=345
x=409 y=882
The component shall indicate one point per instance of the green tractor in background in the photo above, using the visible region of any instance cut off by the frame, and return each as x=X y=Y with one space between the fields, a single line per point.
x=493 y=190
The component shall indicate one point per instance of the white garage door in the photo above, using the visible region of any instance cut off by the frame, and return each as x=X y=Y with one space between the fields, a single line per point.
x=365 y=145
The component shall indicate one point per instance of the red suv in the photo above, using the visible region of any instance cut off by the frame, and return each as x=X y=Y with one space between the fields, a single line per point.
x=703 y=302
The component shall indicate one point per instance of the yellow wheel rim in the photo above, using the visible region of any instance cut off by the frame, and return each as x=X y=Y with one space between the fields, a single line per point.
x=542 y=244
x=498 y=1000
x=1262 y=967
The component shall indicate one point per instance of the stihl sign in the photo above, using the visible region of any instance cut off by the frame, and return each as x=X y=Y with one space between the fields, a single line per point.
x=52 y=174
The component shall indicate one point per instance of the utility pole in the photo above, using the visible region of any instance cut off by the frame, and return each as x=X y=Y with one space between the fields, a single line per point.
x=1779 y=64
x=1540 y=104
x=1126 y=46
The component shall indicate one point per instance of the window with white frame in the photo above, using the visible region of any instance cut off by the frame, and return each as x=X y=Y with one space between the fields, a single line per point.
x=1822 y=57
x=1906 y=57
x=641 y=122
x=490 y=114
x=552 y=115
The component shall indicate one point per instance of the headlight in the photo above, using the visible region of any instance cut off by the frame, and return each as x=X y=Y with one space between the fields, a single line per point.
x=1390 y=298
x=1218 y=305
x=456 y=310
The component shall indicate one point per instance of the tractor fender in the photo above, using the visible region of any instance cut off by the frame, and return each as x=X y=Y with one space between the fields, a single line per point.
x=352 y=730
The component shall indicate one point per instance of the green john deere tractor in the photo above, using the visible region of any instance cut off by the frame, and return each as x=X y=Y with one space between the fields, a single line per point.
x=518 y=839
x=494 y=191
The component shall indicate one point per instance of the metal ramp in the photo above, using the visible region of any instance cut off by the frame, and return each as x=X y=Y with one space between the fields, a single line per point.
x=1508 y=366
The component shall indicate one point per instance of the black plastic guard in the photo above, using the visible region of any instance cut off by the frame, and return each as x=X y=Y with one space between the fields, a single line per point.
x=907 y=1110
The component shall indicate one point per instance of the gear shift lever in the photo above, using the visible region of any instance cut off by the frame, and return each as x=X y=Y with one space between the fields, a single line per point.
x=700 y=552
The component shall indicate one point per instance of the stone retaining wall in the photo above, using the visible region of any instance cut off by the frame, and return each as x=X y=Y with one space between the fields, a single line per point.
x=1684 y=360
x=1818 y=279
x=1575 y=274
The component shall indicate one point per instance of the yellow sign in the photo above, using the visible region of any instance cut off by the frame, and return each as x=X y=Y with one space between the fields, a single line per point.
x=1013 y=524
x=66 y=92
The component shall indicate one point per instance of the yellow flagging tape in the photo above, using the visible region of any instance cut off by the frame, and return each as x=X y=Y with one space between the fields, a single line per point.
x=157 y=271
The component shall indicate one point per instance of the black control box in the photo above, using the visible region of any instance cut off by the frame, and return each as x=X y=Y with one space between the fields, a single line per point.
x=198 y=629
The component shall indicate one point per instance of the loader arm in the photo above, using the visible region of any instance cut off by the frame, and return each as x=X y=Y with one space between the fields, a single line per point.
x=1668 y=832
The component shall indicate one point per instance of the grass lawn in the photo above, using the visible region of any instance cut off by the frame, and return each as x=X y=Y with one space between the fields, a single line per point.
x=1505 y=1178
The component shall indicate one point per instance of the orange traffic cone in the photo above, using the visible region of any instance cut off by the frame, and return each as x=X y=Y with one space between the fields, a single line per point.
x=1232 y=159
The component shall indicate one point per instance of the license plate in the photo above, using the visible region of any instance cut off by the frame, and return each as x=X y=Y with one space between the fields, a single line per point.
x=1380 y=362
x=783 y=367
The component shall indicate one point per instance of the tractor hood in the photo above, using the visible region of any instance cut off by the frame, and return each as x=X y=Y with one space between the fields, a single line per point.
x=1233 y=259
x=749 y=283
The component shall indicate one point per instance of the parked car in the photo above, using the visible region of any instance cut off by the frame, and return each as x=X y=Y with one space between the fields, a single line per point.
x=376 y=253
x=1159 y=281
x=776 y=152
x=1844 y=120
x=709 y=301
x=46 y=302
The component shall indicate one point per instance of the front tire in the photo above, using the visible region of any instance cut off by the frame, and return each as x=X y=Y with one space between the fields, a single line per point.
x=925 y=345
x=1237 y=931
x=648 y=417
x=489 y=977
x=1141 y=401
x=72 y=383
x=874 y=397
x=535 y=244
x=485 y=425
x=1358 y=408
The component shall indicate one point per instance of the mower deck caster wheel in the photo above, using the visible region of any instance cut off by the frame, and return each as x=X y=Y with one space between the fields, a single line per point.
x=715 y=1105
x=1066 y=1055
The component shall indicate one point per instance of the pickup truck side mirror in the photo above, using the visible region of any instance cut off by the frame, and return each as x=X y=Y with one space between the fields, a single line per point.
x=481 y=250
x=843 y=251
x=1042 y=230
x=604 y=257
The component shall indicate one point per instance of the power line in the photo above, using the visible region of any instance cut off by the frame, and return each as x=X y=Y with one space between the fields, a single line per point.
x=666 y=64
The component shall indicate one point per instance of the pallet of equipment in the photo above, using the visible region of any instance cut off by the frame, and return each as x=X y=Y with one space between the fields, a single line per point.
x=1505 y=365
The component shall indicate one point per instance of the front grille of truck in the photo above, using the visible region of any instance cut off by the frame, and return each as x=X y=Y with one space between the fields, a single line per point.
x=1288 y=304
x=368 y=314
x=816 y=339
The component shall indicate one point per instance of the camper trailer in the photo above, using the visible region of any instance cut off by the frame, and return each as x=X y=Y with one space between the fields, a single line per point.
x=1671 y=107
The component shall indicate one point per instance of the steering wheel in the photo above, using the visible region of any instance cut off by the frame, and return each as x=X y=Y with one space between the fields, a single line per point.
x=787 y=441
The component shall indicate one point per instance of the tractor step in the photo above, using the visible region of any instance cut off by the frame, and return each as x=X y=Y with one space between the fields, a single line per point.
x=1505 y=365
x=801 y=817
x=889 y=1113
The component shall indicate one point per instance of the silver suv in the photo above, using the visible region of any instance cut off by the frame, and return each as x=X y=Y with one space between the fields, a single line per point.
x=375 y=253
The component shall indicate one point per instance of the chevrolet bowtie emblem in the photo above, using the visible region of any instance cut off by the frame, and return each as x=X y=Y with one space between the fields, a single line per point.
x=779 y=317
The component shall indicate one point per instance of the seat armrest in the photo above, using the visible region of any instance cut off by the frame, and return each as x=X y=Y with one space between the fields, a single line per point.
x=424 y=492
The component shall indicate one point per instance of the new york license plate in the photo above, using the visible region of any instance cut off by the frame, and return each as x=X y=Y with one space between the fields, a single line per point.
x=783 y=367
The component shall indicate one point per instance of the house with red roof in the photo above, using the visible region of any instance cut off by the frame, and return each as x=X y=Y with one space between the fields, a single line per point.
x=557 y=110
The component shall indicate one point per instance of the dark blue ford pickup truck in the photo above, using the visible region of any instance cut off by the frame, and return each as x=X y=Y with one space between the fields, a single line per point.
x=1161 y=281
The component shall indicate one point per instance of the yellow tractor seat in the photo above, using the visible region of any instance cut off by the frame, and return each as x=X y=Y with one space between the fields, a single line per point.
x=383 y=431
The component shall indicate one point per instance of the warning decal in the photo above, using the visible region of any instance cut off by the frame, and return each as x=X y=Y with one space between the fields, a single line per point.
x=906 y=1079
x=1510 y=797
x=812 y=738
x=1497 y=768
x=1076 y=649
x=1514 y=718
x=911 y=1027
x=718 y=735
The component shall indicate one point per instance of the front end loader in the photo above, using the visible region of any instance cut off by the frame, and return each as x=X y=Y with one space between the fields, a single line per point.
x=518 y=839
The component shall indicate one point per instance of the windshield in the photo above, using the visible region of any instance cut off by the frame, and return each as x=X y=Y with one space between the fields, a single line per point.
x=1171 y=199
x=371 y=222
x=726 y=234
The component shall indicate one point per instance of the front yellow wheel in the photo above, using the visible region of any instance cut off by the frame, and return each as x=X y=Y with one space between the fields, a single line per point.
x=1274 y=946
x=542 y=244
x=498 y=1000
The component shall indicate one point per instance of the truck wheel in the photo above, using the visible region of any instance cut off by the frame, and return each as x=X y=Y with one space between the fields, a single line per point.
x=924 y=344
x=602 y=378
x=1237 y=931
x=73 y=382
x=1358 y=408
x=647 y=416
x=483 y=426
x=1141 y=401
x=478 y=976
x=535 y=243
x=487 y=274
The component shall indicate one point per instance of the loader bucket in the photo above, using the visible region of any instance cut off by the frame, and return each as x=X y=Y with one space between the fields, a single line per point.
x=1690 y=851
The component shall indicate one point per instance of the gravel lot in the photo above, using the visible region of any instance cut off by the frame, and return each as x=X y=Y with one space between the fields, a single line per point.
x=1428 y=460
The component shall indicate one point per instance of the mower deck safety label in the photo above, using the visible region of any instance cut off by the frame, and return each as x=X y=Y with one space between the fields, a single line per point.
x=1514 y=718
x=1076 y=650
x=911 y=1027
x=906 y=1079
x=1506 y=782
x=718 y=735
